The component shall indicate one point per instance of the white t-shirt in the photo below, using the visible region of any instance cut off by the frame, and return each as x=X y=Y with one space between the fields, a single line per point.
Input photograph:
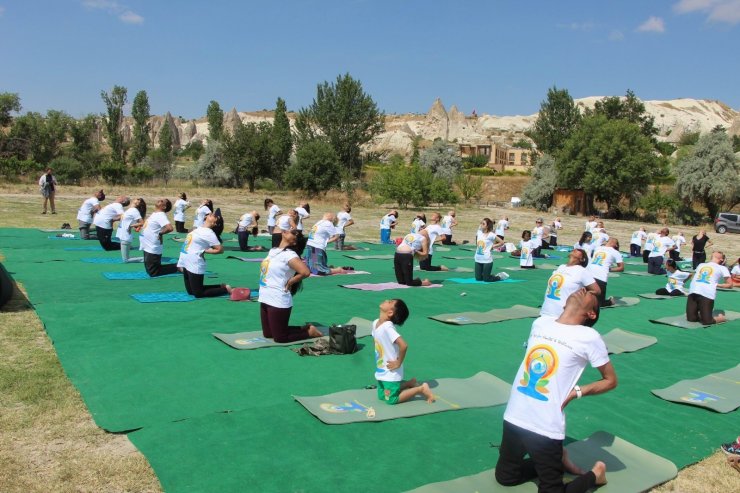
x=433 y=231
x=446 y=225
x=525 y=255
x=566 y=280
x=274 y=275
x=387 y=221
x=284 y=222
x=179 y=210
x=591 y=225
x=123 y=232
x=200 y=215
x=679 y=240
x=320 y=233
x=735 y=270
x=483 y=244
x=302 y=214
x=417 y=225
x=415 y=241
x=105 y=216
x=245 y=222
x=537 y=236
x=649 y=239
x=556 y=356
x=554 y=227
x=84 y=214
x=638 y=237
x=386 y=350
x=272 y=214
x=149 y=240
x=191 y=254
x=501 y=227
x=660 y=245
x=599 y=238
x=676 y=280
x=706 y=278
x=343 y=218
x=586 y=247
x=602 y=260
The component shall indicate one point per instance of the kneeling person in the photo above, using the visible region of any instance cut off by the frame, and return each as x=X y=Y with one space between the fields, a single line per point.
x=200 y=241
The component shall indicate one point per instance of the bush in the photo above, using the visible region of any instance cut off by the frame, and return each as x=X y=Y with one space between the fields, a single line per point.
x=475 y=162
x=470 y=187
x=665 y=148
x=316 y=168
x=689 y=139
x=13 y=168
x=413 y=184
x=480 y=171
x=113 y=173
x=194 y=150
x=687 y=216
x=67 y=170
x=140 y=174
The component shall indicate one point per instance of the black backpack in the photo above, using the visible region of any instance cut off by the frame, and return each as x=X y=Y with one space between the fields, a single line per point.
x=342 y=338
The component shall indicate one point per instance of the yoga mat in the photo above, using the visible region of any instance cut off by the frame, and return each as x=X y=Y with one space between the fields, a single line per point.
x=383 y=286
x=457 y=257
x=63 y=238
x=370 y=257
x=629 y=468
x=538 y=266
x=495 y=315
x=653 y=296
x=620 y=301
x=89 y=248
x=622 y=341
x=174 y=296
x=717 y=391
x=613 y=274
x=255 y=339
x=639 y=273
x=245 y=259
x=470 y=280
x=345 y=273
x=133 y=276
x=680 y=320
x=116 y=260
x=451 y=394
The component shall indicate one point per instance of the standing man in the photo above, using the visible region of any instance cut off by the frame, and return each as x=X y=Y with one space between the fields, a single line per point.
x=661 y=245
x=534 y=422
x=48 y=187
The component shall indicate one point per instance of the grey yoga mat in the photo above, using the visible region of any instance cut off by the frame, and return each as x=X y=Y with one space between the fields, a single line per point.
x=680 y=320
x=622 y=341
x=628 y=468
x=623 y=301
x=495 y=315
x=451 y=394
x=653 y=296
x=255 y=339
x=717 y=391
x=370 y=257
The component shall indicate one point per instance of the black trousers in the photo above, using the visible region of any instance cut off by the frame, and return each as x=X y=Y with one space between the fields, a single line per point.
x=553 y=240
x=180 y=227
x=698 y=258
x=104 y=237
x=645 y=255
x=699 y=309
x=483 y=272
x=665 y=292
x=194 y=286
x=276 y=239
x=154 y=267
x=602 y=296
x=545 y=462
x=655 y=265
x=243 y=240
x=448 y=240
x=403 y=264
x=635 y=250
x=426 y=264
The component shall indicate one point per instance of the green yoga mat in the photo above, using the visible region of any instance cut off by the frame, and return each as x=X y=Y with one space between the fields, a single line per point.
x=622 y=341
x=470 y=280
x=255 y=339
x=680 y=320
x=620 y=301
x=717 y=391
x=639 y=273
x=653 y=296
x=495 y=315
x=538 y=266
x=369 y=257
x=452 y=394
x=457 y=257
x=629 y=468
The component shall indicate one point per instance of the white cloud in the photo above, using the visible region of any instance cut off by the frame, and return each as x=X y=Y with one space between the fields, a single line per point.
x=652 y=25
x=616 y=35
x=727 y=11
x=123 y=13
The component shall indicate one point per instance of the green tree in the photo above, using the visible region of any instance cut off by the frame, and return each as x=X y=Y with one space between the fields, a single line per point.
x=113 y=121
x=469 y=186
x=442 y=159
x=557 y=119
x=410 y=184
x=709 y=174
x=40 y=138
x=346 y=116
x=140 y=141
x=165 y=138
x=629 y=108
x=540 y=189
x=210 y=168
x=9 y=101
x=247 y=153
x=736 y=143
x=281 y=141
x=316 y=168
x=609 y=160
x=215 y=116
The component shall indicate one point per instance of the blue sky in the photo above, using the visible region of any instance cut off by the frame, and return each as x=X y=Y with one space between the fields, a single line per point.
x=497 y=57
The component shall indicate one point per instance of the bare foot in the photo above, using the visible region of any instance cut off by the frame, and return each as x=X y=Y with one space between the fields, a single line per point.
x=734 y=461
x=443 y=268
x=314 y=332
x=228 y=288
x=571 y=467
x=599 y=470
x=409 y=384
x=427 y=392
x=426 y=282
x=720 y=318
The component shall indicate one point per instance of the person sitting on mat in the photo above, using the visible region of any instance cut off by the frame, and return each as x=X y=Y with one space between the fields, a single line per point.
x=638 y=237
x=525 y=251
x=390 y=351
x=104 y=220
x=344 y=221
x=281 y=273
x=387 y=223
x=606 y=259
x=676 y=279
x=558 y=351
x=485 y=242
x=85 y=214
x=648 y=247
x=181 y=204
x=434 y=232
x=321 y=234
x=150 y=240
x=248 y=224
x=205 y=208
x=566 y=280
x=584 y=243
x=412 y=245
x=133 y=218
x=200 y=241
x=285 y=222
x=703 y=290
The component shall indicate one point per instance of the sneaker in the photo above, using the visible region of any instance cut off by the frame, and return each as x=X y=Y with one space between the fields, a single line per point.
x=502 y=276
x=731 y=448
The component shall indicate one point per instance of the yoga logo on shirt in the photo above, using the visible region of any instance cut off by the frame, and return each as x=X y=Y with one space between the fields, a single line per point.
x=540 y=363
x=264 y=269
x=554 y=284
x=312 y=233
x=379 y=363
x=704 y=274
x=599 y=259
x=481 y=248
x=525 y=252
x=187 y=243
x=409 y=239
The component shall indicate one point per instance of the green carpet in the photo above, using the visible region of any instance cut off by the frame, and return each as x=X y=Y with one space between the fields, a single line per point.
x=215 y=419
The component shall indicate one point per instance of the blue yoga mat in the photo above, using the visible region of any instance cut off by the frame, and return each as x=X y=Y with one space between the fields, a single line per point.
x=175 y=296
x=62 y=238
x=89 y=248
x=115 y=260
x=131 y=276
x=471 y=280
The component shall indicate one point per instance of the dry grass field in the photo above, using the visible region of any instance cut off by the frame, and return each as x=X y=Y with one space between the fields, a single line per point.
x=48 y=441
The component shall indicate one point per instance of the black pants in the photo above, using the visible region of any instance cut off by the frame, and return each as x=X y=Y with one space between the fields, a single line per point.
x=635 y=250
x=154 y=267
x=180 y=227
x=545 y=462
x=602 y=297
x=545 y=245
x=104 y=237
x=243 y=240
x=655 y=265
x=483 y=272
x=553 y=240
x=194 y=286
x=426 y=264
x=448 y=240
x=699 y=309
x=403 y=264
x=645 y=255
x=665 y=292
x=275 y=325
x=276 y=239
x=698 y=258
